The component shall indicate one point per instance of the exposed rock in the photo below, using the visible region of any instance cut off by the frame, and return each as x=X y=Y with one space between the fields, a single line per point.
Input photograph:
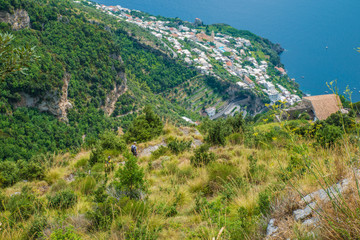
x=313 y=201
x=311 y=222
x=301 y=214
x=18 y=20
x=323 y=195
x=70 y=178
x=196 y=143
x=271 y=228
x=114 y=95
x=147 y=151
x=64 y=104
x=53 y=102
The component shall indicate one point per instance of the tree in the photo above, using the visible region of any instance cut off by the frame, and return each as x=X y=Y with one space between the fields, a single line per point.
x=130 y=179
x=145 y=127
x=14 y=59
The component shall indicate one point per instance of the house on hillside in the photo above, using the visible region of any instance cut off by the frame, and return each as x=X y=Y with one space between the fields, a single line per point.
x=211 y=111
x=318 y=107
x=249 y=82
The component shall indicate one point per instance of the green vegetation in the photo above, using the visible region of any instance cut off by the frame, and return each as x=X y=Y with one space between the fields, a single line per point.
x=251 y=172
x=224 y=179
x=97 y=53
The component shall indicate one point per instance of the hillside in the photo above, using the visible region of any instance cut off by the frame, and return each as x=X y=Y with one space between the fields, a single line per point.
x=179 y=188
x=94 y=71
x=218 y=157
x=85 y=74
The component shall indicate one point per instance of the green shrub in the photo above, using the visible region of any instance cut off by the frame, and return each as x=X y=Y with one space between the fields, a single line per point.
x=62 y=200
x=304 y=116
x=100 y=195
x=218 y=131
x=264 y=202
x=64 y=234
x=3 y=201
x=145 y=127
x=30 y=170
x=9 y=173
x=82 y=163
x=130 y=179
x=103 y=215
x=88 y=185
x=61 y=184
x=328 y=136
x=36 y=228
x=343 y=121
x=96 y=156
x=109 y=140
x=236 y=138
x=221 y=174
x=257 y=172
x=161 y=151
x=202 y=156
x=178 y=146
x=22 y=206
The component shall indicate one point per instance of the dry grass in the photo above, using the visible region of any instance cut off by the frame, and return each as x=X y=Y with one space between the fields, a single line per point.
x=174 y=179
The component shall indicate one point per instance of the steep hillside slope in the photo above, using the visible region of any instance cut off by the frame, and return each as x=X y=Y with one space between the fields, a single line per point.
x=263 y=181
x=85 y=67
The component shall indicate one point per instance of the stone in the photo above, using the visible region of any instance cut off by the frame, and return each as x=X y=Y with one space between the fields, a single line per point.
x=301 y=214
x=311 y=222
x=271 y=228
x=19 y=20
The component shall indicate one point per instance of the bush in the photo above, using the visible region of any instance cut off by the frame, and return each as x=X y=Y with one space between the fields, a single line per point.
x=328 y=136
x=264 y=202
x=64 y=234
x=3 y=201
x=161 y=151
x=178 y=146
x=82 y=163
x=103 y=215
x=202 y=156
x=36 y=228
x=221 y=174
x=23 y=206
x=236 y=138
x=9 y=173
x=145 y=127
x=88 y=185
x=257 y=173
x=130 y=179
x=100 y=195
x=96 y=156
x=30 y=170
x=62 y=200
x=109 y=140
x=218 y=131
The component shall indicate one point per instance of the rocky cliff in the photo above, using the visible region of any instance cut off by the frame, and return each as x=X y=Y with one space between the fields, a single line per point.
x=18 y=20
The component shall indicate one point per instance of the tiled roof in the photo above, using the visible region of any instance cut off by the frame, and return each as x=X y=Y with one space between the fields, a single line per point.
x=324 y=105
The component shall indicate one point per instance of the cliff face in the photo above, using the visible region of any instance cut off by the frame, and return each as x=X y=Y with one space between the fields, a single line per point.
x=55 y=102
x=18 y=20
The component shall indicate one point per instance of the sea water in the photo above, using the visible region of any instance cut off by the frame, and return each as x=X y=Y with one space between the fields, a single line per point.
x=320 y=37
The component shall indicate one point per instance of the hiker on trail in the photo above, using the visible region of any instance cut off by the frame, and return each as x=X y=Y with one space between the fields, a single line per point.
x=108 y=165
x=134 y=150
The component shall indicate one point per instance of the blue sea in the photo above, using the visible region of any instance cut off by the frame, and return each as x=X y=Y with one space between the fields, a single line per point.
x=320 y=36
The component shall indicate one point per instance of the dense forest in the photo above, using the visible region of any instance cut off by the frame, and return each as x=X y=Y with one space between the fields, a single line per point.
x=97 y=58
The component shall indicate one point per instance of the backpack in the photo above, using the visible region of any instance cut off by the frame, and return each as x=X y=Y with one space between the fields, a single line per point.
x=133 y=149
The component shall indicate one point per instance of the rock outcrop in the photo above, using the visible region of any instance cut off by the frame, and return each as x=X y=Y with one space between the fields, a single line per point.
x=312 y=203
x=55 y=102
x=18 y=20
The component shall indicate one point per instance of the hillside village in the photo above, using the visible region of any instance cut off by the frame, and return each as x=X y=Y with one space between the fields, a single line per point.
x=203 y=51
